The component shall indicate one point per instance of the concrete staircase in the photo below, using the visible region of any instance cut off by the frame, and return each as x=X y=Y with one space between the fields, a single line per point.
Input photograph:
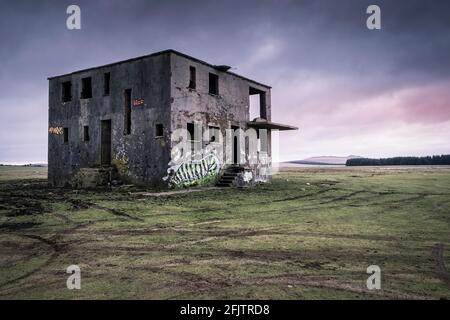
x=229 y=175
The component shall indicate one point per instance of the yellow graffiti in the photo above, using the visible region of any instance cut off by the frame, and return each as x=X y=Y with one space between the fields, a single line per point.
x=56 y=130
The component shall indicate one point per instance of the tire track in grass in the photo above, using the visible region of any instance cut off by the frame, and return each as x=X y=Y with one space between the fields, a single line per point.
x=209 y=286
x=80 y=205
x=56 y=248
x=439 y=264
x=55 y=251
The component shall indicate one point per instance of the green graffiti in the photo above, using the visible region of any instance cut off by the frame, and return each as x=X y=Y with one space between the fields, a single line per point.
x=194 y=172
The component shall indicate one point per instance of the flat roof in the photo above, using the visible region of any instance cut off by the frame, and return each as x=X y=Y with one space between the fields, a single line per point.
x=156 y=54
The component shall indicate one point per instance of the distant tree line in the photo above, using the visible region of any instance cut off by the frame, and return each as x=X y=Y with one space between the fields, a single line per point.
x=400 y=161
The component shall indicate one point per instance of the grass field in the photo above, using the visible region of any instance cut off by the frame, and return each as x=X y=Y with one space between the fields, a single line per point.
x=310 y=234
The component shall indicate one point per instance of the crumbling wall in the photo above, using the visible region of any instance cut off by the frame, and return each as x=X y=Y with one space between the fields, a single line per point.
x=160 y=94
x=228 y=109
x=140 y=157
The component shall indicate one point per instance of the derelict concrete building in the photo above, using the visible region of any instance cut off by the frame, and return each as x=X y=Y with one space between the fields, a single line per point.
x=122 y=121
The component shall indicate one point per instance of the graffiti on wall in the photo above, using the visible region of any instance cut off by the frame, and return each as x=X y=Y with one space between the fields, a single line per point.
x=244 y=178
x=56 y=130
x=247 y=177
x=138 y=102
x=193 y=172
x=263 y=168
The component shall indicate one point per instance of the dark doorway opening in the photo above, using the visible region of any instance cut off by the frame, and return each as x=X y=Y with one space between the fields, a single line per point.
x=235 y=144
x=127 y=111
x=235 y=150
x=85 y=133
x=106 y=143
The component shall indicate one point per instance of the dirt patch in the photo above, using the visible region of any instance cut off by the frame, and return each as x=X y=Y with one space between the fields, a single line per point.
x=213 y=235
x=78 y=204
x=298 y=197
x=55 y=248
x=344 y=197
x=118 y=213
x=265 y=255
x=21 y=206
x=64 y=218
x=11 y=226
x=369 y=237
x=329 y=283
x=189 y=284
x=170 y=193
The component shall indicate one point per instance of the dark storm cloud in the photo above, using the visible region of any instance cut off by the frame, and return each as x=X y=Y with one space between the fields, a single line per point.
x=318 y=55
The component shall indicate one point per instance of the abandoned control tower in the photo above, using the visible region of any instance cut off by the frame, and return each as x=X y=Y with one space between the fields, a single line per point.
x=164 y=119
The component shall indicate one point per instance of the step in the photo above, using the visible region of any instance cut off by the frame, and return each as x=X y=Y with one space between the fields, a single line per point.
x=227 y=178
x=225 y=183
x=231 y=174
x=220 y=184
x=235 y=169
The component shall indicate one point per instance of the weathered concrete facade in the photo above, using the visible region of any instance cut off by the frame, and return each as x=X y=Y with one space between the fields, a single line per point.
x=125 y=115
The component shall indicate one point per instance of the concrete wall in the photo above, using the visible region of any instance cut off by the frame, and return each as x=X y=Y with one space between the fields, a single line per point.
x=140 y=156
x=161 y=81
x=229 y=108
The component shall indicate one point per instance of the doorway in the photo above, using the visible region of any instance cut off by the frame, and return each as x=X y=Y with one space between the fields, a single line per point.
x=235 y=144
x=105 y=151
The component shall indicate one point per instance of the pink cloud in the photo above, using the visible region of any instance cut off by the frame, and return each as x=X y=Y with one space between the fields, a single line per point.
x=336 y=117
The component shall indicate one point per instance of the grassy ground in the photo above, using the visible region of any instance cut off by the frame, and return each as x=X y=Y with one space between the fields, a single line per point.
x=310 y=234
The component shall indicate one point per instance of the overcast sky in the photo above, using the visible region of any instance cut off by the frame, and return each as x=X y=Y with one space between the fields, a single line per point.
x=351 y=90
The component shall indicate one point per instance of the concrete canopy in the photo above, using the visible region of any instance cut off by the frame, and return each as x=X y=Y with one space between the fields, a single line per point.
x=260 y=123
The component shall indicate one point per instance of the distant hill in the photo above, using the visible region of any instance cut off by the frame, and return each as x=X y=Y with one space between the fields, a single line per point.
x=325 y=160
